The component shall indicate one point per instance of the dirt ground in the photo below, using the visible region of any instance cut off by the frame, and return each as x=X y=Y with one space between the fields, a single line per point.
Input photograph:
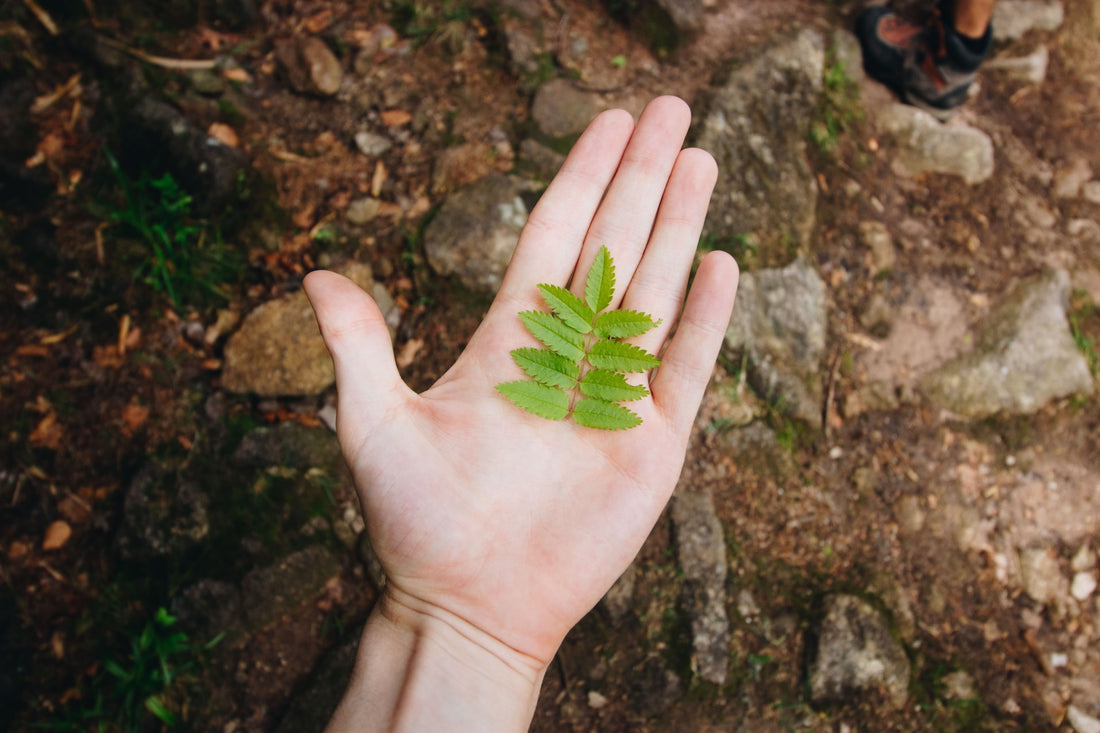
x=102 y=372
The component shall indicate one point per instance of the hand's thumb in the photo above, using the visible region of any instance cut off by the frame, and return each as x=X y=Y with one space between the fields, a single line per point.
x=358 y=339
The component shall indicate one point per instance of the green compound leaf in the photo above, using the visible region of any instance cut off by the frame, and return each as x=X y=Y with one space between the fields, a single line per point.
x=610 y=387
x=546 y=367
x=615 y=356
x=549 y=402
x=623 y=324
x=584 y=361
x=571 y=309
x=604 y=415
x=600 y=286
x=554 y=334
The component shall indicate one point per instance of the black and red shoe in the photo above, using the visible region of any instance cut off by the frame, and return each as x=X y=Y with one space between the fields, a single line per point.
x=930 y=65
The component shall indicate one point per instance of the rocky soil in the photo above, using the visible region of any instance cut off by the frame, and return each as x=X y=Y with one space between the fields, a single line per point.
x=889 y=517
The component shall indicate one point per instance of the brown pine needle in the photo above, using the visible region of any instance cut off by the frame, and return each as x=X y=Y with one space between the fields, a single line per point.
x=43 y=17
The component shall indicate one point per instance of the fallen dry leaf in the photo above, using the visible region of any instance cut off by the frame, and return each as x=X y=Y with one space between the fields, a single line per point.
x=223 y=133
x=396 y=118
x=225 y=322
x=107 y=356
x=74 y=509
x=378 y=179
x=48 y=433
x=133 y=417
x=54 y=338
x=57 y=534
x=319 y=21
x=237 y=74
x=17 y=550
x=303 y=218
x=32 y=350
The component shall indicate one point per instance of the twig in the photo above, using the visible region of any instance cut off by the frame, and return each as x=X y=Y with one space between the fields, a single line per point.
x=43 y=17
x=162 y=61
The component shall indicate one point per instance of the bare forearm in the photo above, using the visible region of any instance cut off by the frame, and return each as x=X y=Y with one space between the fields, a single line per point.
x=420 y=669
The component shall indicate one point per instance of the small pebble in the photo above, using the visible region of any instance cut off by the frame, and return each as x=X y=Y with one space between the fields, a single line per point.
x=1083 y=586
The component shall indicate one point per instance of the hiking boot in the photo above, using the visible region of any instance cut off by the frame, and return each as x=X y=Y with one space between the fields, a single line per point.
x=930 y=65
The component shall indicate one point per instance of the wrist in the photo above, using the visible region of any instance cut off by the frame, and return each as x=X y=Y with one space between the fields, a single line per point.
x=420 y=667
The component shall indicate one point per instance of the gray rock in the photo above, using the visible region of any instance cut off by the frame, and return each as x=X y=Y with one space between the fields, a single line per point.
x=1069 y=179
x=309 y=66
x=876 y=237
x=755 y=447
x=779 y=323
x=163 y=514
x=528 y=51
x=159 y=134
x=1090 y=191
x=278 y=350
x=686 y=15
x=207 y=82
x=363 y=211
x=1030 y=69
x=856 y=653
x=543 y=160
x=959 y=685
x=619 y=599
x=1042 y=578
x=653 y=688
x=311 y=708
x=475 y=232
x=925 y=145
x=756 y=127
x=290 y=445
x=1081 y=721
x=208 y=607
x=560 y=109
x=267 y=593
x=1023 y=357
x=371 y=143
x=701 y=546
x=1014 y=18
x=848 y=54
x=878 y=316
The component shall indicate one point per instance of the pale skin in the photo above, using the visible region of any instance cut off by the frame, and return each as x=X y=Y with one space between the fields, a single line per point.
x=971 y=17
x=499 y=530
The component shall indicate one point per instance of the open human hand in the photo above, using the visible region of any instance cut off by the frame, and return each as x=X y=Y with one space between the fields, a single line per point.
x=495 y=527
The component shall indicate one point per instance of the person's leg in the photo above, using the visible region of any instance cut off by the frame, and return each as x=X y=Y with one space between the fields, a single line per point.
x=971 y=17
x=931 y=64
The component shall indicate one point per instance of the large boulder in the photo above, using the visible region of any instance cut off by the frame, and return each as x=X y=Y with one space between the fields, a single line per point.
x=475 y=232
x=1023 y=356
x=756 y=127
x=925 y=145
x=562 y=109
x=778 y=327
x=701 y=545
x=856 y=653
x=278 y=350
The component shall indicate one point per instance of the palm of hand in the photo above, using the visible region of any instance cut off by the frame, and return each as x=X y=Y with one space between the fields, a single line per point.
x=514 y=524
